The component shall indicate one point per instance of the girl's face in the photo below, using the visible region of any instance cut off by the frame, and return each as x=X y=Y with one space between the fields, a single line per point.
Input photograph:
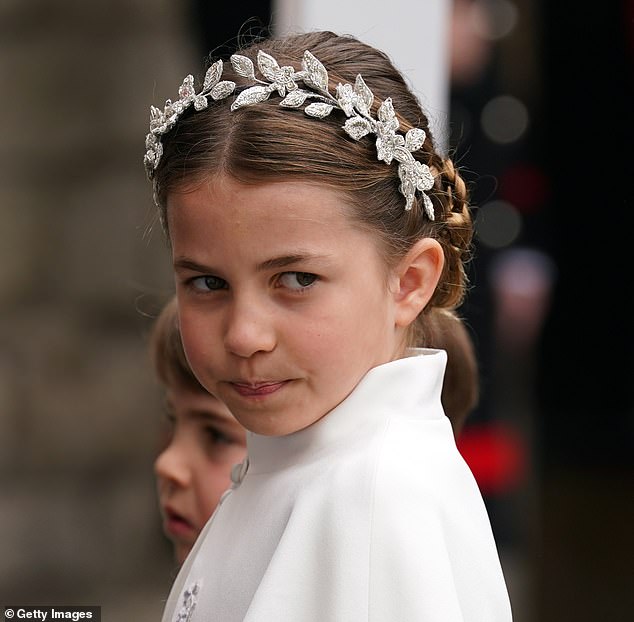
x=194 y=469
x=284 y=304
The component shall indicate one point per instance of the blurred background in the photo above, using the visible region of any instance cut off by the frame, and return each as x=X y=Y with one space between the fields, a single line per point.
x=538 y=112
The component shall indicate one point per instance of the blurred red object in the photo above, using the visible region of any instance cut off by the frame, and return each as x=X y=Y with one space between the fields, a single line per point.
x=525 y=186
x=496 y=455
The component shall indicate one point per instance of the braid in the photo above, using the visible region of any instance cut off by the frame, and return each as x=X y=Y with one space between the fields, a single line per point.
x=455 y=234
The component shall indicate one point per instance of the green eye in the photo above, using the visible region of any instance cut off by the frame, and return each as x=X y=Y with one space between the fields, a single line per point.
x=297 y=280
x=208 y=283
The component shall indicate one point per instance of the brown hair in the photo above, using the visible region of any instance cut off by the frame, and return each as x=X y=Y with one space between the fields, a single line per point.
x=460 y=389
x=166 y=351
x=267 y=143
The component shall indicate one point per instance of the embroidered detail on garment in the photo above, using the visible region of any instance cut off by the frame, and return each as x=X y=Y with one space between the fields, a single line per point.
x=238 y=471
x=190 y=598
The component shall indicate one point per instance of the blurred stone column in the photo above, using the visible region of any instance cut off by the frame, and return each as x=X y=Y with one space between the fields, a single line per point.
x=79 y=409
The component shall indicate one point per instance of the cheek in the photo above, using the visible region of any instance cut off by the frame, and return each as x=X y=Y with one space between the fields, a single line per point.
x=200 y=341
x=341 y=315
x=317 y=336
x=215 y=480
x=360 y=312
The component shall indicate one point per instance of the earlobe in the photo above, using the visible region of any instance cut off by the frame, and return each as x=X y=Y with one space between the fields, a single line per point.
x=418 y=274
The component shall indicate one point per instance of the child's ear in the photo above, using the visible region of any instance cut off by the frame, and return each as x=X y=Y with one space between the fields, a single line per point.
x=417 y=276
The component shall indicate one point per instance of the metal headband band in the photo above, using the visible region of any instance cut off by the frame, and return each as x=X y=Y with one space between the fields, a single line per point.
x=355 y=101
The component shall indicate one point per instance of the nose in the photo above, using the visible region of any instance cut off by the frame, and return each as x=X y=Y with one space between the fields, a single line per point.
x=171 y=466
x=249 y=329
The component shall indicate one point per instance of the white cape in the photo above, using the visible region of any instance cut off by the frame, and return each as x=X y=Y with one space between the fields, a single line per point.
x=369 y=515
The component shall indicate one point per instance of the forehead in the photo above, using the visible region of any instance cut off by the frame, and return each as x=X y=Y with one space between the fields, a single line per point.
x=229 y=194
x=182 y=397
x=273 y=214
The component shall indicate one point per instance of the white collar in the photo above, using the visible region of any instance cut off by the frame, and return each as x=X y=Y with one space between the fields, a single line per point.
x=406 y=385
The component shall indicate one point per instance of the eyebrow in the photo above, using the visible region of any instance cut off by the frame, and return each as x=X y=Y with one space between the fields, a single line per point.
x=202 y=414
x=210 y=416
x=284 y=261
x=190 y=264
x=288 y=260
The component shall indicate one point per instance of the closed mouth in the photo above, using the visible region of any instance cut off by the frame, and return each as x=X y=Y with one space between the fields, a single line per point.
x=258 y=389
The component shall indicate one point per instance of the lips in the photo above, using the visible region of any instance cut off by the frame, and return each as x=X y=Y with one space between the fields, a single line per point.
x=258 y=389
x=176 y=525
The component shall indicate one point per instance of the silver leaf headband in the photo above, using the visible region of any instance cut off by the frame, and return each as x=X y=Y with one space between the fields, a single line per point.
x=355 y=102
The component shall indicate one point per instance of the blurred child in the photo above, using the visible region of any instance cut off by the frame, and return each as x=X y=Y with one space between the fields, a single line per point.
x=205 y=442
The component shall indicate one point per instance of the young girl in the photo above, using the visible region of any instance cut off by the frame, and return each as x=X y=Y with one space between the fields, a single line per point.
x=314 y=230
x=193 y=470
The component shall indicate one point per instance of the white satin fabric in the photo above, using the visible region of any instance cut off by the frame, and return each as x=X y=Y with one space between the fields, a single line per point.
x=368 y=515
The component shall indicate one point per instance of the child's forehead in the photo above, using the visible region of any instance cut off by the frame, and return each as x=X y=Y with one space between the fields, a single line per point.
x=225 y=206
x=289 y=191
x=224 y=222
x=178 y=394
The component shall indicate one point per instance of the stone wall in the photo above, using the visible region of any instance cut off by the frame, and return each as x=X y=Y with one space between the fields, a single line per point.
x=81 y=274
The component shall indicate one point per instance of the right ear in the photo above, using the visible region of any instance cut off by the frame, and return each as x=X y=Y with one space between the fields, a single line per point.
x=417 y=276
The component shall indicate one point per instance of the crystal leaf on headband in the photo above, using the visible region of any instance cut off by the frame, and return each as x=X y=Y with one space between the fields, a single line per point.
x=295 y=99
x=318 y=110
x=355 y=101
x=316 y=75
x=162 y=121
